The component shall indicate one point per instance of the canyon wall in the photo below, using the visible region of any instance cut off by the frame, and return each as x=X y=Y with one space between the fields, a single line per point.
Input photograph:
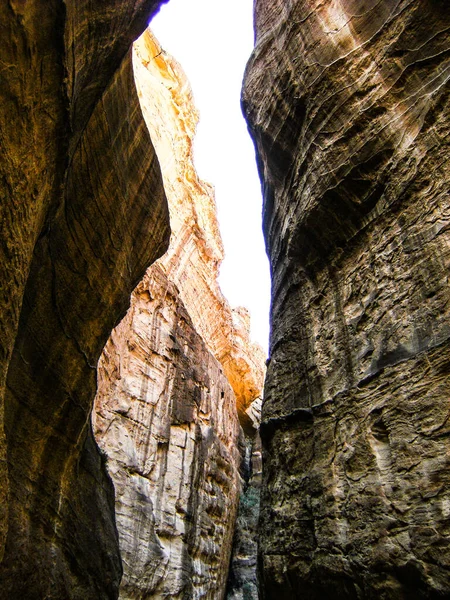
x=196 y=250
x=173 y=375
x=83 y=214
x=165 y=417
x=348 y=104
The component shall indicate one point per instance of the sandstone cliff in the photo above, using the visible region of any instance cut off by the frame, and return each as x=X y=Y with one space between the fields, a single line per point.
x=83 y=214
x=196 y=251
x=172 y=374
x=348 y=104
x=166 y=419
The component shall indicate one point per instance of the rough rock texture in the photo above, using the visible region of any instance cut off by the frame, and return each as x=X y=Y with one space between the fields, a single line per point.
x=348 y=104
x=166 y=418
x=196 y=251
x=83 y=214
x=170 y=375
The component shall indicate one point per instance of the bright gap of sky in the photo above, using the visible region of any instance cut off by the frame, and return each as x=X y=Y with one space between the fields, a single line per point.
x=213 y=41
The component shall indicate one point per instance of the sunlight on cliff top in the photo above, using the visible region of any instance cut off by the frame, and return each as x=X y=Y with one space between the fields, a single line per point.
x=213 y=43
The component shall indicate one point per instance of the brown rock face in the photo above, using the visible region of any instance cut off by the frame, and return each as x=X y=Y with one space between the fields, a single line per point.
x=83 y=214
x=348 y=103
x=171 y=375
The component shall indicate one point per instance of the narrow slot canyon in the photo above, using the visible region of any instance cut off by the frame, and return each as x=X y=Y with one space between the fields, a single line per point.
x=180 y=381
x=148 y=446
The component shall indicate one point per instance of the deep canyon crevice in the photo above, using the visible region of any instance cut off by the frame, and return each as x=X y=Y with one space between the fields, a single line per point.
x=348 y=105
x=177 y=375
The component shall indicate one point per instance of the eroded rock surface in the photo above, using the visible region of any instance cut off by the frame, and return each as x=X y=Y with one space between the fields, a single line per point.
x=196 y=250
x=348 y=104
x=83 y=214
x=166 y=418
x=172 y=374
x=242 y=578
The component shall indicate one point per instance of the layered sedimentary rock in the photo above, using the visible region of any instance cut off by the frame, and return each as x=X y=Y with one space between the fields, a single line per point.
x=172 y=374
x=166 y=418
x=83 y=214
x=196 y=251
x=348 y=104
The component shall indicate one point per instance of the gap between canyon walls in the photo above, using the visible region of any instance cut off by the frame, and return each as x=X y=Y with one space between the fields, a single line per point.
x=348 y=103
x=177 y=379
x=83 y=213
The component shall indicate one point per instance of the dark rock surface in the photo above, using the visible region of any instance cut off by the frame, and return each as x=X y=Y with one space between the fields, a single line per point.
x=348 y=103
x=83 y=213
x=242 y=578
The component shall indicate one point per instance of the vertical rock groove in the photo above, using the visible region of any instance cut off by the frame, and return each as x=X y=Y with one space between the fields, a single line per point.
x=348 y=105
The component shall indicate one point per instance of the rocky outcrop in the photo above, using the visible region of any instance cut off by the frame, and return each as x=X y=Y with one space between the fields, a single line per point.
x=242 y=577
x=83 y=214
x=348 y=104
x=172 y=374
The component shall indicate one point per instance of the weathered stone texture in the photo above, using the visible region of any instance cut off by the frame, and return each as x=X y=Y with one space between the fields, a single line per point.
x=348 y=104
x=242 y=578
x=166 y=418
x=196 y=250
x=83 y=214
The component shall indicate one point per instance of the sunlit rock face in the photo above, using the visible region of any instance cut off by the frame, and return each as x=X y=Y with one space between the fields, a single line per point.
x=83 y=214
x=172 y=374
x=166 y=418
x=196 y=251
x=348 y=104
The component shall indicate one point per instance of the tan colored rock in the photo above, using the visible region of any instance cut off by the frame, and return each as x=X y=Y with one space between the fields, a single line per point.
x=196 y=251
x=166 y=419
x=349 y=107
x=172 y=374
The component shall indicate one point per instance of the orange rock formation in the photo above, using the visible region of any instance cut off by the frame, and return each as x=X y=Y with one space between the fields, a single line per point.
x=195 y=253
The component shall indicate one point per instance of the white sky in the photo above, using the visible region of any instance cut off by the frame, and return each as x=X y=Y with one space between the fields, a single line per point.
x=213 y=41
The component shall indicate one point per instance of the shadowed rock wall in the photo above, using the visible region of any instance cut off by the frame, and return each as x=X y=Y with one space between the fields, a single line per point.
x=348 y=103
x=242 y=577
x=83 y=214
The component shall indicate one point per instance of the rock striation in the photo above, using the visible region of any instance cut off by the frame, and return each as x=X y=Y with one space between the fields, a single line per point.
x=83 y=214
x=173 y=374
x=166 y=419
x=196 y=250
x=348 y=104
